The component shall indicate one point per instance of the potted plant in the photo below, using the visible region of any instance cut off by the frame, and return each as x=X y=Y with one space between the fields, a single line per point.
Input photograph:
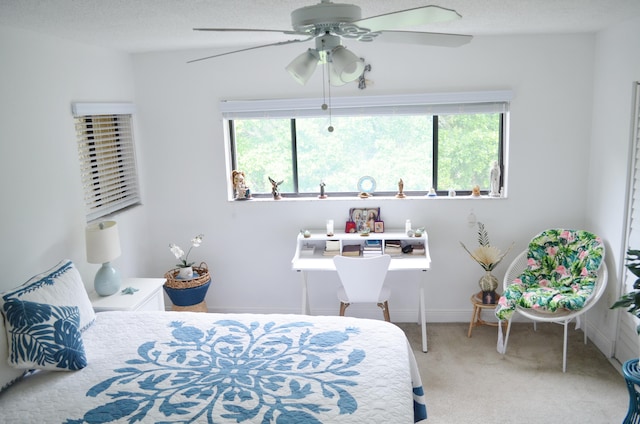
x=631 y=300
x=187 y=284
x=488 y=257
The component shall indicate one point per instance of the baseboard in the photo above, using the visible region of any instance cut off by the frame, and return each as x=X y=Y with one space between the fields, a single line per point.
x=401 y=315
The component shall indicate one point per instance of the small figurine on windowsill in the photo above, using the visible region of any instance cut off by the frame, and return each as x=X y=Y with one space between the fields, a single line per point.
x=322 y=193
x=475 y=192
x=240 y=188
x=400 y=194
x=495 y=180
x=275 y=188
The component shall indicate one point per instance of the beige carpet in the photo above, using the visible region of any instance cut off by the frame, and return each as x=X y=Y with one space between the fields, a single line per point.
x=467 y=381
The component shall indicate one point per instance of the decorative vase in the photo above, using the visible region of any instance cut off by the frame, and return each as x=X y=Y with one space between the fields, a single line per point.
x=185 y=273
x=488 y=284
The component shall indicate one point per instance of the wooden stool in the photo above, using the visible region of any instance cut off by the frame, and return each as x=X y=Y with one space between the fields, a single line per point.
x=478 y=306
x=198 y=307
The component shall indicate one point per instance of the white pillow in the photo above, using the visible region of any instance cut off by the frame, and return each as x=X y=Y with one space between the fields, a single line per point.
x=8 y=374
x=59 y=286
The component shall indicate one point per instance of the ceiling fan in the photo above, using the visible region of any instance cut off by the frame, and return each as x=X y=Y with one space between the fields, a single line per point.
x=329 y=23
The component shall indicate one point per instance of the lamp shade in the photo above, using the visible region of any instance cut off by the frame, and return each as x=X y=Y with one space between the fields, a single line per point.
x=334 y=78
x=303 y=66
x=103 y=242
x=347 y=66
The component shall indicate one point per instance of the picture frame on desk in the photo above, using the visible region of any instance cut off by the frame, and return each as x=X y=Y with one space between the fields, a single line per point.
x=378 y=227
x=364 y=218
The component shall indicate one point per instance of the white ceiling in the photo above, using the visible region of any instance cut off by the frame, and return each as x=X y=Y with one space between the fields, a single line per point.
x=152 y=25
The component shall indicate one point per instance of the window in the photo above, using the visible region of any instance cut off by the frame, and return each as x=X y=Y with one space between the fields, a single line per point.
x=107 y=157
x=440 y=141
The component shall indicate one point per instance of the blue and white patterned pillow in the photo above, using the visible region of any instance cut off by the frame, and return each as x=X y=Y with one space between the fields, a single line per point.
x=43 y=336
x=60 y=286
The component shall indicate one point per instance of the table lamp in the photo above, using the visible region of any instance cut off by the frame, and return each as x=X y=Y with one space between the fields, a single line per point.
x=103 y=246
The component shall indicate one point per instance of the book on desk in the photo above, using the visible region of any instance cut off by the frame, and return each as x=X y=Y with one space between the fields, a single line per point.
x=372 y=248
x=351 y=250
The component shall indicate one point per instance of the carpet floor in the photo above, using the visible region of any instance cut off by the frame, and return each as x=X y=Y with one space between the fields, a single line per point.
x=467 y=381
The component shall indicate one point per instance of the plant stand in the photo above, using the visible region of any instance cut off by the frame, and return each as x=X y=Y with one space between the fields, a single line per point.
x=632 y=378
x=188 y=295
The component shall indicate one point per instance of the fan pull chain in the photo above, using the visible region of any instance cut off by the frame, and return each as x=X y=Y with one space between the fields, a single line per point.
x=330 y=129
x=324 y=90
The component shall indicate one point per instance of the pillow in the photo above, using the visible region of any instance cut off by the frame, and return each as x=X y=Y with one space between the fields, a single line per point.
x=8 y=374
x=43 y=336
x=59 y=286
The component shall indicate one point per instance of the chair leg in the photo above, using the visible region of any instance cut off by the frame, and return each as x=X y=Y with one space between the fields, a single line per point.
x=385 y=310
x=564 y=347
x=343 y=308
x=506 y=338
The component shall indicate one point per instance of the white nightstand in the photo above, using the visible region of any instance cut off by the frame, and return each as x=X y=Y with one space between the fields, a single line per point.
x=149 y=297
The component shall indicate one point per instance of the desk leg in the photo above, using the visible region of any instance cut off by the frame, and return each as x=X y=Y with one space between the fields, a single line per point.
x=305 y=293
x=423 y=317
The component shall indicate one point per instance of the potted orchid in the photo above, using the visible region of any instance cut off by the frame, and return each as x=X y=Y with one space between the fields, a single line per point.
x=185 y=268
x=488 y=257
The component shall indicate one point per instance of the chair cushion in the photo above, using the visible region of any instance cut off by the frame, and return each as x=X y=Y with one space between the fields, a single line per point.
x=561 y=273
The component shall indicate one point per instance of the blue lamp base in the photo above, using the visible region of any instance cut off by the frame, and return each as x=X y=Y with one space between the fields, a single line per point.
x=107 y=281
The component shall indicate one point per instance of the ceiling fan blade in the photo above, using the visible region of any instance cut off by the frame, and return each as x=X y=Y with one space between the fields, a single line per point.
x=280 y=43
x=288 y=32
x=424 y=38
x=408 y=18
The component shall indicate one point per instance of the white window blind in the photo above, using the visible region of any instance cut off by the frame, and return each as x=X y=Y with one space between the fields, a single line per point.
x=626 y=346
x=403 y=104
x=107 y=157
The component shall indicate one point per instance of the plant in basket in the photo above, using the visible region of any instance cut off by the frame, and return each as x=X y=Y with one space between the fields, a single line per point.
x=187 y=284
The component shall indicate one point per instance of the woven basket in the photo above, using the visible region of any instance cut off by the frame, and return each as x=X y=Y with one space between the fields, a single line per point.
x=201 y=277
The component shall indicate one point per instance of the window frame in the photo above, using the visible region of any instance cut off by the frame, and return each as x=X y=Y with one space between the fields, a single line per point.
x=432 y=104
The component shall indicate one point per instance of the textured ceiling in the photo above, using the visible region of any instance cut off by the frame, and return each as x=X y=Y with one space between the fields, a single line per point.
x=152 y=25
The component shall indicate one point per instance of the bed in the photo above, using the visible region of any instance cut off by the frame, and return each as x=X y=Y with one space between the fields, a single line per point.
x=126 y=367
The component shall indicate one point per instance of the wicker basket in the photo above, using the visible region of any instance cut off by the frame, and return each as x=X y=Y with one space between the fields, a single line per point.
x=201 y=278
x=188 y=294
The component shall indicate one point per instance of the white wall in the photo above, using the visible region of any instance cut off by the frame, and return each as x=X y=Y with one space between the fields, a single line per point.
x=617 y=66
x=42 y=216
x=249 y=245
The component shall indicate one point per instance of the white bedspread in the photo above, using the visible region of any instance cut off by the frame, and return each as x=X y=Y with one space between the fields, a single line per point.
x=227 y=368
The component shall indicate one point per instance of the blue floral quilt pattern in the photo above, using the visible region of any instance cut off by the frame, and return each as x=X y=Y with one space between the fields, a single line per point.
x=234 y=372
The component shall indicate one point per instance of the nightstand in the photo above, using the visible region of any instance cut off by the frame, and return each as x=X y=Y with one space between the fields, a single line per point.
x=149 y=297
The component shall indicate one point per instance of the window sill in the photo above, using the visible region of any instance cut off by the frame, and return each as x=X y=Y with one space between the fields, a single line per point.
x=357 y=198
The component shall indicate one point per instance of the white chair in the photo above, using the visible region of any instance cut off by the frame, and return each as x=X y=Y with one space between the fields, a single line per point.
x=363 y=281
x=563 y=316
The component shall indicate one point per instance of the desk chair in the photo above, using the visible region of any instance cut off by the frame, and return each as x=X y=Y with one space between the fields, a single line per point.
x=362 y=281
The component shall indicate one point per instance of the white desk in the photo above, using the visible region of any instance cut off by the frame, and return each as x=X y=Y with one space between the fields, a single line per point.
x=304 y=262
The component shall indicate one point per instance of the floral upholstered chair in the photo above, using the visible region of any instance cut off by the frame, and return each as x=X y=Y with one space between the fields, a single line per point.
x=558 y=278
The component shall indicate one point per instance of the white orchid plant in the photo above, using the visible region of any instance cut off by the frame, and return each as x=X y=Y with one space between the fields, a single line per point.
x=486 y=255
x=179 y=253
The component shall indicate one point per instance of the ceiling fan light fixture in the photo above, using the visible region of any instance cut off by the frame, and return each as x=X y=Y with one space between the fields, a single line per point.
x=346 y=65
x=334 y=78
x=303 y=66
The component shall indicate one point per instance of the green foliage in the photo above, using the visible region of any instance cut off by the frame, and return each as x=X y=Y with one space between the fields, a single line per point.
x=385 y=147
x=631 y=300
